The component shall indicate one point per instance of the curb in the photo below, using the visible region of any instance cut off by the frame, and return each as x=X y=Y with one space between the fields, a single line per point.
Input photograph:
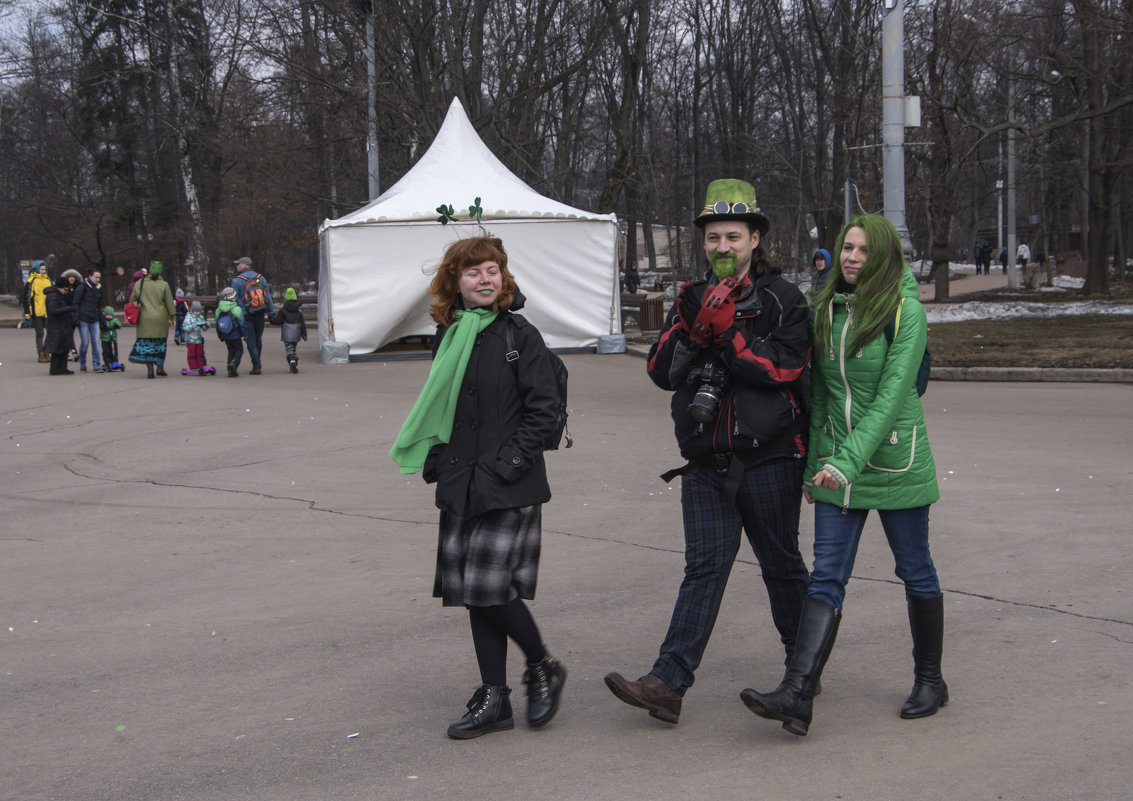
x=1087 y=375
x=1058 y=374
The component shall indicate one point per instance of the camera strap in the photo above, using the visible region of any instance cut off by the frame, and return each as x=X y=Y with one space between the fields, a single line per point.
x=718 y=462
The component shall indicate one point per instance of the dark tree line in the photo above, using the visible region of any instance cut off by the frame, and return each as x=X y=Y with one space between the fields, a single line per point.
x=198 y=131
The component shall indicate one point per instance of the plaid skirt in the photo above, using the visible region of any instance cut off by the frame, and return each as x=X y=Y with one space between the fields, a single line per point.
x=488 y=560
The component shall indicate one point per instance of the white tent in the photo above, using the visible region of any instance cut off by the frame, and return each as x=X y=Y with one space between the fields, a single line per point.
x=374 y=262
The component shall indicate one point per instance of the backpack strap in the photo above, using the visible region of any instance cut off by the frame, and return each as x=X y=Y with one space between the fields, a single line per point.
x=892 y=328
x=512 y=354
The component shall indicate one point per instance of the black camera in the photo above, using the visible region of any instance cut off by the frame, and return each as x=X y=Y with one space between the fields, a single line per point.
x=711 y=381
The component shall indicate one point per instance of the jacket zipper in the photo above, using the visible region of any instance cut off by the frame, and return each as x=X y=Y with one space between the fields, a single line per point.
x=846 y=385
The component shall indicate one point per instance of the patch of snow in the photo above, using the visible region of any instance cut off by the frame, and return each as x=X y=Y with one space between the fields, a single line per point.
x=1003 y=310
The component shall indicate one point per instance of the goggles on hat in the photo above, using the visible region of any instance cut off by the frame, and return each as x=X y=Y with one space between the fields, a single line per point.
x=724 y=207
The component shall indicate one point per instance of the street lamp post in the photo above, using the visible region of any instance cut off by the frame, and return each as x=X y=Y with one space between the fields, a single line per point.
x=893 y=103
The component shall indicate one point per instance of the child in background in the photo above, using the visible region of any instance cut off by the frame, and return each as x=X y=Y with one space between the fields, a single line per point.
x=292 y=327
x=180 y=308
x=230 y=328
x=193 y=333
x=108 y=334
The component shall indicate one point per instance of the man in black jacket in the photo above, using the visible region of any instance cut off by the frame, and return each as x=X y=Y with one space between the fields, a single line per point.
x=734 y=352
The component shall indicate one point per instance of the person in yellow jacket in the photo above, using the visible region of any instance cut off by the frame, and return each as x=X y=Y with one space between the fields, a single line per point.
x=35 y=306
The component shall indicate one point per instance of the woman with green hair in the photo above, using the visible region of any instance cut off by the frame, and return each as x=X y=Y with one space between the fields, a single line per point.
x=868 y=450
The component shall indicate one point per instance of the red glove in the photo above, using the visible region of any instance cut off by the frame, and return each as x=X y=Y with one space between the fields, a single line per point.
x=717 y=312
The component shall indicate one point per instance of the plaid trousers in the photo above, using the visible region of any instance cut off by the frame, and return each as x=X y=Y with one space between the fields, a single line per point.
x=767 y=510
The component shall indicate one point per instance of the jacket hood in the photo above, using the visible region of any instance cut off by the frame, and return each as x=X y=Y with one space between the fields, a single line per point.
x=517 y=300
x=909 y=286
x=825 y=254
x=35 y=265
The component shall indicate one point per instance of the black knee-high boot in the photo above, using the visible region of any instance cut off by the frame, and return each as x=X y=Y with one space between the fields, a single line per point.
x=792 y=701
x=926 y=622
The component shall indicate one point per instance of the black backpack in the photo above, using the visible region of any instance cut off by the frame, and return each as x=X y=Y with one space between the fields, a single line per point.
x=560 y=371
x=926 y=360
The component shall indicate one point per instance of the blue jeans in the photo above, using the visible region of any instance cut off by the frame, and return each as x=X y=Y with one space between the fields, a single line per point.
x=88 y=336
x=767 y=510
x=254 y=335
x=836 y=537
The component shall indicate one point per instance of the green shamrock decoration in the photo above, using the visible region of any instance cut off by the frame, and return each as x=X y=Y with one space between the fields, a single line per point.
x=447 y=214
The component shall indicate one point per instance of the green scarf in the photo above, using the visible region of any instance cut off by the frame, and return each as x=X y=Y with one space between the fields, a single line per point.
x=430 y=421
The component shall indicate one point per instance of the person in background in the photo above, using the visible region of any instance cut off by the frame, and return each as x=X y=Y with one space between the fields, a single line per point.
x=87 y=306
x=633 y=279
x=155 y=319
x=108 y=332
x=292 y=327
x=60 y=325
x=181 y=307
x=869 y=449
x=230 y=331
x=193 y=329
x=822 y=266
x=254 y=297
x=36 y=307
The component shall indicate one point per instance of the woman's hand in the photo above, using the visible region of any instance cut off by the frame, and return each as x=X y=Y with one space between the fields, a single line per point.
x=824 y=479
x=806 y=494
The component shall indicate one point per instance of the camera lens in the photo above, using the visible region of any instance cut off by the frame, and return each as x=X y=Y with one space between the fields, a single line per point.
x=705 y=404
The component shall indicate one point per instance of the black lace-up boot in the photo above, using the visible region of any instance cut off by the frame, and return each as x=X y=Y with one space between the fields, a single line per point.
x=489 y=709
x=544 y=690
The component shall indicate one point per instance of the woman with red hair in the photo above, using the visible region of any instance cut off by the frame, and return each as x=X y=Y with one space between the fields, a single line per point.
x=478 y=431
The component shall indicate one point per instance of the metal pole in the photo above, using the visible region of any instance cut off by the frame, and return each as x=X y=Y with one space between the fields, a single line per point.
x=372 y=104
x=1012 y=246
x=893 y=116
x=847 y=212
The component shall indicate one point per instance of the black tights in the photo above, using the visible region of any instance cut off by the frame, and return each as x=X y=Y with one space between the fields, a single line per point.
x=491 y=626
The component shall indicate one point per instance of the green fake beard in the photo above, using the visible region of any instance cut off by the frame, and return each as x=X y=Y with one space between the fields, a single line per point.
x=723 y=264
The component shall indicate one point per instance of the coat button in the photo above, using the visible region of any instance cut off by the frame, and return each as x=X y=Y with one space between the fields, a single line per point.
x=453 y=460
x=515 y=460
x=474 y=427
x=456 y=426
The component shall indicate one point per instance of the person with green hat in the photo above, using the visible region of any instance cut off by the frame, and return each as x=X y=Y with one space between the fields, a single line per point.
x=292 y=327
x=108 y=334
x=155 y=319
x=734 y=352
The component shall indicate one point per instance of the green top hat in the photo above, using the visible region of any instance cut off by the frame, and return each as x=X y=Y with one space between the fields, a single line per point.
x=731 y=199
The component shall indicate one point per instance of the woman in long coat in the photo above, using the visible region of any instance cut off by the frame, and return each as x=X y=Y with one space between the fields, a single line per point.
x=478 y=430
x=60 y=339
x=868 y=450
x=155 y=299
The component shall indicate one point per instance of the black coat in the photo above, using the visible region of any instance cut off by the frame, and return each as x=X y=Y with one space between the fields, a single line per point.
x=60 y=322
x=766 y=352
x=505 y=413
x=86 y=300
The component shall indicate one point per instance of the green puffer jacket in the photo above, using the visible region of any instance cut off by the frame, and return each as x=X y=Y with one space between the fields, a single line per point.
x=867 y=425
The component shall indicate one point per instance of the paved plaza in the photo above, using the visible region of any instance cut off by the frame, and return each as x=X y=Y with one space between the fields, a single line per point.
x=218 y=589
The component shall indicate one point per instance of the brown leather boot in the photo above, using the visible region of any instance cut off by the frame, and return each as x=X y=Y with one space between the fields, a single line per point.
x=648 y=692
x=44 y=358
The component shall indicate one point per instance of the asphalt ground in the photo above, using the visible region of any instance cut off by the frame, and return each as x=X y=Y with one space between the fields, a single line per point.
x=218 y=589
